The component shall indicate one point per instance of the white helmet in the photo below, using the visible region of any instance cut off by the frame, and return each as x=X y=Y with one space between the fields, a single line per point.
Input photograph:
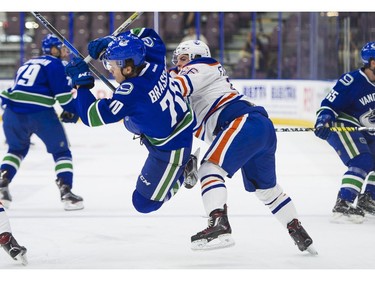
x=193 y=48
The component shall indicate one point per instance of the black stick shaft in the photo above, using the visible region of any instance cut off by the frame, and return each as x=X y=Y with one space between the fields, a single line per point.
x=53 y=30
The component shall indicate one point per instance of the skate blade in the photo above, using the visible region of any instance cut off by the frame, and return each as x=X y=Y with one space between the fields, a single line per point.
x=372 y=213
x=340 y=218
x=312 y=250
x=69 y=206
x=222 y=241
x=21 y=257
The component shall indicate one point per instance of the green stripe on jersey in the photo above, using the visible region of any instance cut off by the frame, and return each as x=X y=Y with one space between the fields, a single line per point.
x=13 y=160
x=27 y=97
x=188 y=119
x=94 y=116
x=169 y=175
x=64 y=98
x=353 y=182
x=67 y=165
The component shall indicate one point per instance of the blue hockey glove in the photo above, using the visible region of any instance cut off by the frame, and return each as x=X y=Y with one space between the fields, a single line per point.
x=97 y=46
x=79 y=71
x=323 y=126
x=68 y=117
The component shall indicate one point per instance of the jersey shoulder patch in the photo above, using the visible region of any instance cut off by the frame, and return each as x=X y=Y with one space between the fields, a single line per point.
x=125 y=88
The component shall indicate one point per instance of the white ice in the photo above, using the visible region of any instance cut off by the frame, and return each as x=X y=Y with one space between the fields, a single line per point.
x=110 y=234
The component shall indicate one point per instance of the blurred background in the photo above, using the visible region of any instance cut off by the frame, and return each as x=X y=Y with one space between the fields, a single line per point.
x=250 y=45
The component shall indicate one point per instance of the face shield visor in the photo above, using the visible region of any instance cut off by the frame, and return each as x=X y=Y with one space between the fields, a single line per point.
x=111 y=65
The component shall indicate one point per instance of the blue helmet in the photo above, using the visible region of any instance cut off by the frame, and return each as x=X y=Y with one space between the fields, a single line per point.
x=368 y=52
x=126 y=47
x=49 y=41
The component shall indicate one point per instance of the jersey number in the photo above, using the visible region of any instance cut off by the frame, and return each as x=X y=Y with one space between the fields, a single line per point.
x=332 y=95
x=116 y=106
x=168 y=102
x=347 y=79
x=27 y=74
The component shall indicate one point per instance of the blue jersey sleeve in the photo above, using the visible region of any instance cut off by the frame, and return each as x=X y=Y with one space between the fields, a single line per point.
x=59 y=85
x=342 y=94
x=155 y=47
x=58 y=81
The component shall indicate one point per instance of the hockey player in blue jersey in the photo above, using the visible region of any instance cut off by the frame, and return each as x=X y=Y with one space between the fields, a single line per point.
x=351 y=102
x=240 y=137
x=148 y=103
x=39 y=83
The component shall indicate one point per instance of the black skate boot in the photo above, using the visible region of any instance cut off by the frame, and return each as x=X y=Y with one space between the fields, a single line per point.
x=5 y=196
x=216 y=235
x=344 y=211
x=10 y=245
x=191 y=170
x=300 y=237
x=366 y=203
x=71 y=201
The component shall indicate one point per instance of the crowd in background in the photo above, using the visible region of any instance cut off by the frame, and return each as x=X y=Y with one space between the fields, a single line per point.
x=285 y=45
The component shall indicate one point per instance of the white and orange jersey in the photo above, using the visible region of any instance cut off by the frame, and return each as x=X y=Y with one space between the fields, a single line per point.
x=204 y=84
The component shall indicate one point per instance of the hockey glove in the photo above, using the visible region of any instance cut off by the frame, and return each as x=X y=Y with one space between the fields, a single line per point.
x=79 y=71
x=323 y=126
x=98 y=46
x=68 y=117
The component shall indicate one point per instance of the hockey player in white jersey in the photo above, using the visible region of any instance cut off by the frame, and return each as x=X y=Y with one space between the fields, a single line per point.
x=241 y=137
x=7 y=240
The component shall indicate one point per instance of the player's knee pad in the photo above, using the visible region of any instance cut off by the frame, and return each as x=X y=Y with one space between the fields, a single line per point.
x=270 y=194
x=208 y=168
x=18 y=154
x=67 y=154
x=143 y=204
x=362 y=161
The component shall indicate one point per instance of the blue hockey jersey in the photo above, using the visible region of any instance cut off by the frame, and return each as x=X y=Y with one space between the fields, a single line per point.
x=38 y=84
x=352 y=100
x=149 y=104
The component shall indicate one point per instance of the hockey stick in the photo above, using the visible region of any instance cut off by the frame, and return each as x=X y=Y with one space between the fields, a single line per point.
x=121 y=28
x=53 y=30
x=332 y=129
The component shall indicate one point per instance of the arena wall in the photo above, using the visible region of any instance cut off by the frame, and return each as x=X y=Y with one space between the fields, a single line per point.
x=288 y=102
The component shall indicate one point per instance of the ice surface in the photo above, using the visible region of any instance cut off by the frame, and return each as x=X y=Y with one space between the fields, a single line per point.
x=110 y=234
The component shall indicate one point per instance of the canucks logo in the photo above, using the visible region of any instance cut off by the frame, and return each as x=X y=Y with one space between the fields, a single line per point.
x=368 y=119
x=148 y=41
x=125 y=88
x=123 y=43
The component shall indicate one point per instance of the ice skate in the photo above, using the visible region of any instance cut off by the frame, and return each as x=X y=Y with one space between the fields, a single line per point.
x=191 y=170
x=217 y=235
x=300 y=237
x=366 y=203
x=344 y=211
x=10 y=245
x=5 y=196
x=71 y=201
